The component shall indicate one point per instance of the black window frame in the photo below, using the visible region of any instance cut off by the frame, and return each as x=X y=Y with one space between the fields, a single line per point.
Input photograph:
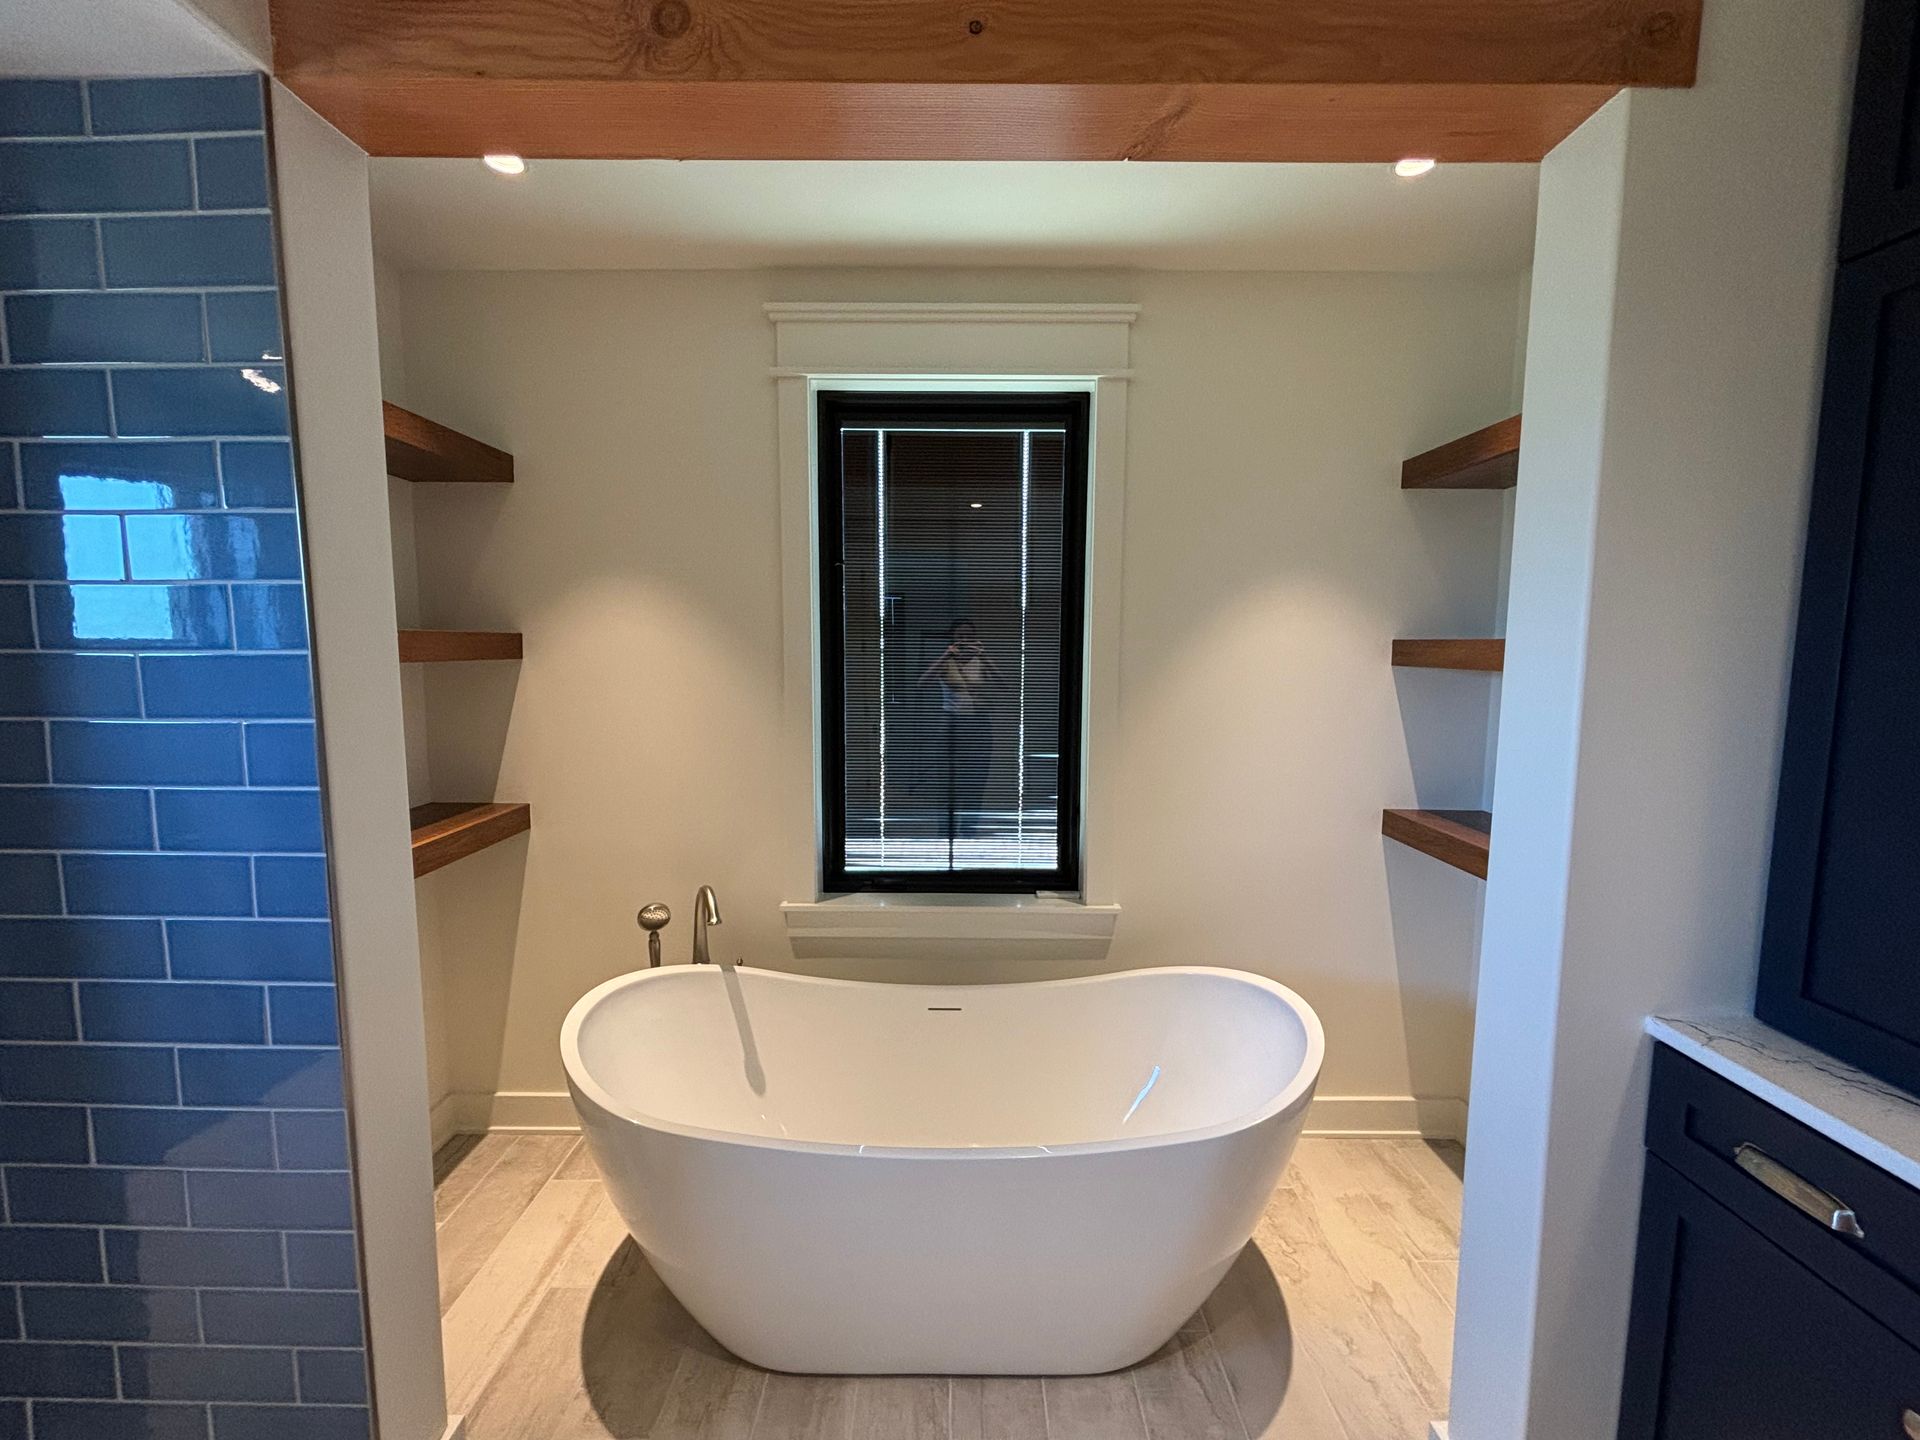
x=836 y=410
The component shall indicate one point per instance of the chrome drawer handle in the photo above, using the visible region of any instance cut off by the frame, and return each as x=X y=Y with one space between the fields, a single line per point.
x=1804 y=1196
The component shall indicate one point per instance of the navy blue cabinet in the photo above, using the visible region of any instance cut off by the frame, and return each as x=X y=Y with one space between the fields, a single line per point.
x=1838 y=965
x=1838 y=968
x=1754 y=1318
x=1740 y=1341
x=1883 y=160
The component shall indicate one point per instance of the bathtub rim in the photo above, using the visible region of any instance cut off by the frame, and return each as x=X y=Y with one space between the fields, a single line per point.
x=1294 y=1095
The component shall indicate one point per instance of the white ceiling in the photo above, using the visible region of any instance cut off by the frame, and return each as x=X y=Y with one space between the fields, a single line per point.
x=131 y=37
x=717 y=214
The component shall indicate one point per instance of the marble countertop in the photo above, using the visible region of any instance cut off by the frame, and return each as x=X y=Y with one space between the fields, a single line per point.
x=1870 y=1117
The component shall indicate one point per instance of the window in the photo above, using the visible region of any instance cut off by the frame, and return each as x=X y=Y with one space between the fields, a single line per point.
x=952 y=539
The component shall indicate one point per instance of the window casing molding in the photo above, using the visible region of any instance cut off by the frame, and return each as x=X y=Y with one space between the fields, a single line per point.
x=931 y=348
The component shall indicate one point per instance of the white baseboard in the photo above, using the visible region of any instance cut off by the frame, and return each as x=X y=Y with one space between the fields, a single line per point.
x=550 y=1111
x=456 y=1428
x=533 y=1111
x=1434 y=1117
x=458 y=1114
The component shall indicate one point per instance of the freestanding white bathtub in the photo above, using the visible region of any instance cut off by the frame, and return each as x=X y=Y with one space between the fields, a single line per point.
x=849 y=1178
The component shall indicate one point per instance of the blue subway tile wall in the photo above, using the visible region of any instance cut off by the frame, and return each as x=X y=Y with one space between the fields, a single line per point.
x=59 y=254
x=147 y=107
x=16 y=618
x=177 y=1255
x=41 y=107
x=121 y=475
x=196 y=250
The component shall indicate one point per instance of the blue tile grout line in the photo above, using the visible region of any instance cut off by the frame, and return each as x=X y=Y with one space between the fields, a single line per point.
x=176 y=1210
x=6 y=139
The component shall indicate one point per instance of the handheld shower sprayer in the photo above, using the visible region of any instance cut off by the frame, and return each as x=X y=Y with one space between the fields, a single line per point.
x=653 y=919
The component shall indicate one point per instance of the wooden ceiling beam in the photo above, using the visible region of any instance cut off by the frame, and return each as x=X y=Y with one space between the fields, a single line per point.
x=1305 y=80
x=1002 y=42
x=610 y=120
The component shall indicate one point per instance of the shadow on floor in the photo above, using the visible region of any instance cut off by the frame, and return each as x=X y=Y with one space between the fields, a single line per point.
x=1452 y=1154
x=1252 y=1332
x=650 y=1370
x=633 y=1343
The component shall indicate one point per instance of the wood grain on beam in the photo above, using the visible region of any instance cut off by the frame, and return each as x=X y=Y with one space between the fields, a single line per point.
x=1283 y=80
x=1488 y=459
x=387 y=114
x=1004 y=42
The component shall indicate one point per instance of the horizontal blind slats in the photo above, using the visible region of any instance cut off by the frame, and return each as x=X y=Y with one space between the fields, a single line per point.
x=952 y=754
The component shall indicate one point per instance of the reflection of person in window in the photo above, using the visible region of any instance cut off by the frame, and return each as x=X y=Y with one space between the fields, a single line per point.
x=966 y=673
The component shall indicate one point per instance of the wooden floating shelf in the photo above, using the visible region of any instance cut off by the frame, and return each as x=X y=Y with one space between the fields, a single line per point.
x=446 y=831
x=1458 y=837
x=428 y=646
x=1487 y=459
x=424 y=450
x=1490 y=655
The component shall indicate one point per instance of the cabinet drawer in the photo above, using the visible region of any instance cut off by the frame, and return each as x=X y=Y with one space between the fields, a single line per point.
x=1734 y=1339
x=1770 y=1170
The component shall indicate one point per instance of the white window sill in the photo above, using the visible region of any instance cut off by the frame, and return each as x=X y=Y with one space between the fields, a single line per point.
x=1043 y=926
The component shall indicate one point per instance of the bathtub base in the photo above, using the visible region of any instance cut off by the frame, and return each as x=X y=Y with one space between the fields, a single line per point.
x=878 y=1265
x=843 y=1336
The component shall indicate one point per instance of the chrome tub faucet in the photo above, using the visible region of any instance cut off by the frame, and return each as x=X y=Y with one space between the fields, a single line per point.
x=706 y=911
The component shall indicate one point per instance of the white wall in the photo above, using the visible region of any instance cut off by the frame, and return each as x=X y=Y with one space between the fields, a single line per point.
x=406 y=565
x=133 y=37
x=1270 y=557
x=326 y=245
x=1681 y=278
x=413 y=709
x=244 y=24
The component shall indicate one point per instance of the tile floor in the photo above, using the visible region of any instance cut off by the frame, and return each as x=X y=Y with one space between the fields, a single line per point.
x=1336 y=1323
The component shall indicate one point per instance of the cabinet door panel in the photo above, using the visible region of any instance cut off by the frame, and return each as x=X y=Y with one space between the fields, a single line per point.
x=1883 y=156
x=1733 y=1339
x=1840 y=968
x=1697 y=1122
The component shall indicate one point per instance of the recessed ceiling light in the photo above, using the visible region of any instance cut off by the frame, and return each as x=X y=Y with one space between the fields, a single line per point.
x=1413 y=167
x=977 y=504
x=504 y=164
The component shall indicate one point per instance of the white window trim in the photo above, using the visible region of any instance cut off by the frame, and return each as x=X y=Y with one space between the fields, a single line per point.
x=1010 y=348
